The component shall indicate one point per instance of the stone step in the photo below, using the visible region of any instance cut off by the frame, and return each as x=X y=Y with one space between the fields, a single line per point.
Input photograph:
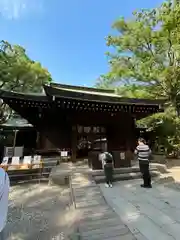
x=105 y=232
x=91 y=203
x=90 y=192
x=81 y=195
x=97 y=210
x=124 y=176
x=87 y=218
x=82 y=198
x=98 y=221
x=92 y=187
x=78 y=186
x=111 y=236
x=88 y=226
x=100 y=172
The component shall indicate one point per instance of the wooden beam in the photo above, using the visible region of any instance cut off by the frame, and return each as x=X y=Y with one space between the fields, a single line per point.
x=74 y=143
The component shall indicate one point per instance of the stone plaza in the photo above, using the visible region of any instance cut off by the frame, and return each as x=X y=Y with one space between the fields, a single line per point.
x=126 y=211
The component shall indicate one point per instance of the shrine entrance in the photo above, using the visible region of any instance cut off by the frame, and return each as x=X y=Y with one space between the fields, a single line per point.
x=87 y=136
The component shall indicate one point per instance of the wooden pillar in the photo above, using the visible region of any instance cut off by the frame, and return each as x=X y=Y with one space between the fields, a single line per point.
x=133 y=133
x=74 y=143
x=14 y=142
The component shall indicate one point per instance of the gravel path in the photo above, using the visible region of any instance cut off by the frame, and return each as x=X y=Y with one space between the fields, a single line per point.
x=39 y=211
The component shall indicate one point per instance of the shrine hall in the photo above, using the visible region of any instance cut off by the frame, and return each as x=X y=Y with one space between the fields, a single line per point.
x=81 y=120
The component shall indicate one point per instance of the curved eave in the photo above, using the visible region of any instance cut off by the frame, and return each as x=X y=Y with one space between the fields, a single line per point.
x=6 y=95
x=83 y=96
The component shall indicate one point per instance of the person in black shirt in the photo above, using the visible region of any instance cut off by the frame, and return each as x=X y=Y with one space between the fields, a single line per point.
x=107 y=164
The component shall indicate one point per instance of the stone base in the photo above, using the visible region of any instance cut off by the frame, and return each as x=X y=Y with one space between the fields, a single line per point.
x=125 y=176
x=59 y=180
x=60 y=175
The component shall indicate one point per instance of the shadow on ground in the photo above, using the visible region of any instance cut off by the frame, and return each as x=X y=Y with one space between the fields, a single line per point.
x=39 y=211
x=173 y=163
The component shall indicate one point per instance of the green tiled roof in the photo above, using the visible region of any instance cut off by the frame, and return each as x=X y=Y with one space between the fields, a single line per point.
x=94 y=92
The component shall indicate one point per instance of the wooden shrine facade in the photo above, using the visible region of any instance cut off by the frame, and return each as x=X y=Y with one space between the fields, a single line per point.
x=62 y=110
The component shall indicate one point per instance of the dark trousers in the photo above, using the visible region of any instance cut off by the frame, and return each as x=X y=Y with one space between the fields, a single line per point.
x=108 y=171
x=144 y=169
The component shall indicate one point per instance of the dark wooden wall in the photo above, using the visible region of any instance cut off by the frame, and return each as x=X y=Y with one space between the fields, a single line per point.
x=50 y=123
x=56 y=124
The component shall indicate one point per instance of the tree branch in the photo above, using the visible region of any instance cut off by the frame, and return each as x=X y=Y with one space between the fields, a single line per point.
x=148 y=46
x=170 y=51
x=2 y=85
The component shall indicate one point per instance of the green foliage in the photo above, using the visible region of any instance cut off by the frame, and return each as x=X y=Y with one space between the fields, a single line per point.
x=167 y=128
x=126 y=90
x=133 y=91
x=145 y=63
x=19 y=73
x=104 y=82
x=147 y=51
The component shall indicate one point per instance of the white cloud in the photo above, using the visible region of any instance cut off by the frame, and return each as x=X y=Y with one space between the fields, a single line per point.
x=15 y=9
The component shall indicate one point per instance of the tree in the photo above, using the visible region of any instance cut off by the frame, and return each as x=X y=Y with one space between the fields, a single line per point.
x=147 y=52
x=125 y=90
x=146 y=63
x=133 y=91
x=166 y=126
x=19 y=73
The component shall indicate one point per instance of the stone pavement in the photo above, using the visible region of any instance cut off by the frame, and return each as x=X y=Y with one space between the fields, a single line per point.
x=125 y=212
x=97 y=220
x=149 y=213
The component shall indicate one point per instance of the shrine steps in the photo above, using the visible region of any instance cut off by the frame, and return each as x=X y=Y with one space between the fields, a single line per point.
x=121 y=170
x=123 y=174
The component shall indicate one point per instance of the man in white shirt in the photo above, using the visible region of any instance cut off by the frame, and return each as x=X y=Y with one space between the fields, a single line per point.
x=4 y=193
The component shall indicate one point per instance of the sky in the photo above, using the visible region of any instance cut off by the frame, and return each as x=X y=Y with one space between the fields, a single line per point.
x=66 y=36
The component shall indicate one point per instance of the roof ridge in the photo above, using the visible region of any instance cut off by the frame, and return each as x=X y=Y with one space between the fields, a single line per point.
x=72 y=87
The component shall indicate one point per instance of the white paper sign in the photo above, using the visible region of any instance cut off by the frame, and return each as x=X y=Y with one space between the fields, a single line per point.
x=15 y=161
x=122 y=155
x=27 y=160
x=64 y=154
x=5 y=161
x=37 y=159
